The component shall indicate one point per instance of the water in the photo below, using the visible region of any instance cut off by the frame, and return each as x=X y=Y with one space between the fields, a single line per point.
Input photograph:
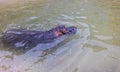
x=95 y=47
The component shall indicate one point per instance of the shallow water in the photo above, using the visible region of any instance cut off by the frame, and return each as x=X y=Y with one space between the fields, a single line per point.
x=95 y=47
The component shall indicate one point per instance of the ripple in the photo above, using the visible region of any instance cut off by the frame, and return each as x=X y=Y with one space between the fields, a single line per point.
x=81 y=17
x=101 y=37
x=67 y=17
x=32 y=18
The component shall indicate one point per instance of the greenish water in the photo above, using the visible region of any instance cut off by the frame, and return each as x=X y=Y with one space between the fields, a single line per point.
x=95 y=47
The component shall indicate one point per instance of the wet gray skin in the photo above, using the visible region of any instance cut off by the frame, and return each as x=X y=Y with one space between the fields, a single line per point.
x=44 y=40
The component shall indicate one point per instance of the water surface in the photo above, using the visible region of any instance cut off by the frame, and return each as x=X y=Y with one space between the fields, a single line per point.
x=95 y=47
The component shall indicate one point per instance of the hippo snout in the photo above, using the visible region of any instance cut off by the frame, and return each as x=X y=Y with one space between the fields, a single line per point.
x=71 y=30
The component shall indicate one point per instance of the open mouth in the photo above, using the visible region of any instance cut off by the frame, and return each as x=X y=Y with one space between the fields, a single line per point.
x=67 y=30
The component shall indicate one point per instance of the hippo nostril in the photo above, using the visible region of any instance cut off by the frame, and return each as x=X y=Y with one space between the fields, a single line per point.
x=70 y=30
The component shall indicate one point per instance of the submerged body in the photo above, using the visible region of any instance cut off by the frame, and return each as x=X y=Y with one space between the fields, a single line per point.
x=25 y=39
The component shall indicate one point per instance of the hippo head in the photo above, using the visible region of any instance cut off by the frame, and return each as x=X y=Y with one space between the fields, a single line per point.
x=63 y=33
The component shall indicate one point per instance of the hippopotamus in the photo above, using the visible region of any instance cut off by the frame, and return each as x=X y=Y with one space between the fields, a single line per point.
x=25 y=39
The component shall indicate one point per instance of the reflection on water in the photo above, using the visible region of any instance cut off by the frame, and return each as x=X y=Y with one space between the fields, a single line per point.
x=95 y=47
